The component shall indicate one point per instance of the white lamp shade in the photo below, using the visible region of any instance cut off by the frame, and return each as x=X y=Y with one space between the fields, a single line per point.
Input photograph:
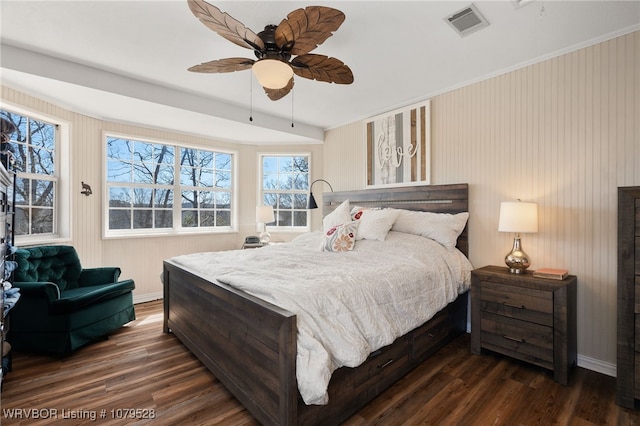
x=272 y=73
x=264 y=214
x=518 y=216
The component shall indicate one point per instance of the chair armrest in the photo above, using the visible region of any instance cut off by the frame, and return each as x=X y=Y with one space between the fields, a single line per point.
x=96 y=276
x=45 y=290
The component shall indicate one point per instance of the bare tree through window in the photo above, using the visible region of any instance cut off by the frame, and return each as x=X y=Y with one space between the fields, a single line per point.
x=285 y=185
x=33 y=148
x=144 y=178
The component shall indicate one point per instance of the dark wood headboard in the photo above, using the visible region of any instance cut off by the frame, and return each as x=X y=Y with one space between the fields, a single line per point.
x=452 y=199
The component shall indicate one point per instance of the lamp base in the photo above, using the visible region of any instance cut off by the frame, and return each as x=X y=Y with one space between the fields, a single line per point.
x=517 y=260
x=265 y=237
x=517 y=271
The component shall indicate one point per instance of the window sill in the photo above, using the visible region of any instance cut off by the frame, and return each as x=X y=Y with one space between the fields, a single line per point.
x=40 y=241
x=182 y=233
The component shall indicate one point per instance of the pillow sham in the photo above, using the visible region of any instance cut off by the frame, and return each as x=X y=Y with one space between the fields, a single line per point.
x=340 y=215
x=444 y=228
x=340 y=238
x=375 y=224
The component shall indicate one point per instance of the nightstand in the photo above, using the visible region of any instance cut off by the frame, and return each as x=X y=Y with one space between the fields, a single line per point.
x=253 y=245
x=531 y=319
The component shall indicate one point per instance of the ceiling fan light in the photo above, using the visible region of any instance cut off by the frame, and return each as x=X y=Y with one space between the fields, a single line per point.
x=272 y=73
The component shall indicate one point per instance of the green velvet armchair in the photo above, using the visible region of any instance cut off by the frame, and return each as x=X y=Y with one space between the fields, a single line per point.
x=62 y=306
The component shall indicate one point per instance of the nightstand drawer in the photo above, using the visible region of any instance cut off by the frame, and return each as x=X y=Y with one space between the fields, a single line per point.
x=636 y=375
x=636 y=342
x=517 y=302
x=517 y=337
x=636 y=287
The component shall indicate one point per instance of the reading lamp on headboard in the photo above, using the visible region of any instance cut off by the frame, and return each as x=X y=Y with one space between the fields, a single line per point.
x=311 y=202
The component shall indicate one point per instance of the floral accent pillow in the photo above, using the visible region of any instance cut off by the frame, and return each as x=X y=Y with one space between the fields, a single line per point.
x=340 y=237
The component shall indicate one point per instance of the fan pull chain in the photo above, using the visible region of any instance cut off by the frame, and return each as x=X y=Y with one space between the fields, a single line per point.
x=292 y=91
x=250 y=97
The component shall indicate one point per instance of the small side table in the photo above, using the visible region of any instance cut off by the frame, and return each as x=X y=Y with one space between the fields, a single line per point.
x=524 y=317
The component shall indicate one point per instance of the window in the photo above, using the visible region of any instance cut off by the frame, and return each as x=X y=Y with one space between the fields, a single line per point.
x=159 y=188
x=285 y=186
x=205 y=181
x=41 y=201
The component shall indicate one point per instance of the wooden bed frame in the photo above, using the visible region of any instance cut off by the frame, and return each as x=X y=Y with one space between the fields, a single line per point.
x=250 y=345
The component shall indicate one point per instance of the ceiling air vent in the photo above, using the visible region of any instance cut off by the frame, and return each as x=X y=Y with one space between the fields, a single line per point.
x=467 y=20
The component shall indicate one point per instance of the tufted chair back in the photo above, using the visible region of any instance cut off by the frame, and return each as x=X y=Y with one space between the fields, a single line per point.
x=55 y=264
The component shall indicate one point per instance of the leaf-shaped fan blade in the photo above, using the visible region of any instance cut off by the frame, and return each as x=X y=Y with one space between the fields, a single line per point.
x=308 y=28
x=222 y=23
x=275 y=94
x=224 y=65
x=322 y=68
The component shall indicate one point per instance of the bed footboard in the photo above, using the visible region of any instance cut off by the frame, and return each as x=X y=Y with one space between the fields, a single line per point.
x=248 y=344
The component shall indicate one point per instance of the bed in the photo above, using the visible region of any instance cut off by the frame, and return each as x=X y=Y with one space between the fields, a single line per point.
x=251 y=345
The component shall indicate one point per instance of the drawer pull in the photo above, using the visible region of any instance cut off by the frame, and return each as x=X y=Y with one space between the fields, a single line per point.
x=513 y=306
x=434 y=333
x=381 y=366
x=513 y=339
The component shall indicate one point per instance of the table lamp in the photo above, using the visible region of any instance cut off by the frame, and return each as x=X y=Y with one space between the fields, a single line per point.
x=264 y=215
x=518 y=217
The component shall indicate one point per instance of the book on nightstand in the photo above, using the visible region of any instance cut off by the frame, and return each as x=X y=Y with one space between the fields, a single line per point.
x=554 y=274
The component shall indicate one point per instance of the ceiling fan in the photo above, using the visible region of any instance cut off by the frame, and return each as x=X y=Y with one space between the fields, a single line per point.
x=282 y=50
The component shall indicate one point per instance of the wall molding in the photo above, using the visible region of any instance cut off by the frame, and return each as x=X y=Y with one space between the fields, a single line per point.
x=147 y=297
x=597 y=365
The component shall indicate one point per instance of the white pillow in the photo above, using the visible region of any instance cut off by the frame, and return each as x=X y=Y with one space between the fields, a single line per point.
x=374 y=223
x=340 y=215
x=444 y=228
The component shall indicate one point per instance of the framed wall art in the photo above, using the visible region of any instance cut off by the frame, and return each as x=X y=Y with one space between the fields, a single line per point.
x=398 y=145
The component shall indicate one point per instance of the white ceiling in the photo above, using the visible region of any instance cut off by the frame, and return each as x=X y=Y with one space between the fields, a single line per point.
x=126 y=61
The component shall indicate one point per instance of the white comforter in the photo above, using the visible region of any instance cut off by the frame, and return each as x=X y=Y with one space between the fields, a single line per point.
x=347 y=304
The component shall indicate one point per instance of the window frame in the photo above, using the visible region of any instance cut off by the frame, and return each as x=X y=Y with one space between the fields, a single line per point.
x=62 y=217
x=260 y=195
x=177 y=188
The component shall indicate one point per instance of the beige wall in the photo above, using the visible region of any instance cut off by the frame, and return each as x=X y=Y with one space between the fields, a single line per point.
x=564 y=133
x=141 y=258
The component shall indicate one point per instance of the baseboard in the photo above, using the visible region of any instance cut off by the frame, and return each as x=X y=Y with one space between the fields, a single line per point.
x=147 y=297
x=597 y=365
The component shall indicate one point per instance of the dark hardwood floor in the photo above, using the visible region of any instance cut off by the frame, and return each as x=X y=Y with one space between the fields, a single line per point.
x=139 y=371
